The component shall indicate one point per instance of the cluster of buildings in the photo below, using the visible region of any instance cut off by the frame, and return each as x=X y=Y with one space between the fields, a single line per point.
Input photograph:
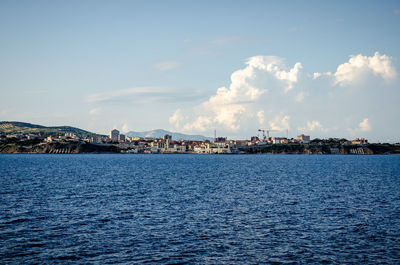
x=220 y=145
x=167 y=145
x=304 y=139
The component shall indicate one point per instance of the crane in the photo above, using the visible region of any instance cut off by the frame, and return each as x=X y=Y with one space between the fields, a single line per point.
x=263 y=131
x=268 y=131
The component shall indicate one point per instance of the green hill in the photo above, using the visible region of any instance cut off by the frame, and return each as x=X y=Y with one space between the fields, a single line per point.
x=14 y=127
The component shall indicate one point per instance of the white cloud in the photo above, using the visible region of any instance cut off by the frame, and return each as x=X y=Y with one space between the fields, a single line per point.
x=316 y=75
x=364 y=125
x=95 y=111
x=265 y=92
x=202 y=124
x=167 y=65
x=176 y=118
x=125 y=128
x=359 y=66
x=313 y=126
x=275 y=66
x=280 y=122
x=143 y=95
x=261 y=118
x=119 y=94
x=230 y=105
x=320 y=75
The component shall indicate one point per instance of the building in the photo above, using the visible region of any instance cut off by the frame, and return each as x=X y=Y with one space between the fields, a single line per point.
x=279 y=140
x=220 y=139
x=360 y=141
x=95 y=140
x=220 y=142
x=255 y=139
x=305 y=139
x=114 y=135
x=167 y=140
x=121 y=138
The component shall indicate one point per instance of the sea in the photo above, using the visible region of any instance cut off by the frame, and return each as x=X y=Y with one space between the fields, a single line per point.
x=199 y=209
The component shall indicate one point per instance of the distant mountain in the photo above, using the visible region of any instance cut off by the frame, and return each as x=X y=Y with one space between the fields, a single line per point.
x=15 y=127
x=159 y=133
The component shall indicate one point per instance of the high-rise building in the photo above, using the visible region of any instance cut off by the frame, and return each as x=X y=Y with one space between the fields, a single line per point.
x=114 y=135
x=167 y=139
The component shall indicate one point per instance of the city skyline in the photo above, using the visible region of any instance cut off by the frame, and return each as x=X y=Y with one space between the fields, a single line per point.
x=319 y=68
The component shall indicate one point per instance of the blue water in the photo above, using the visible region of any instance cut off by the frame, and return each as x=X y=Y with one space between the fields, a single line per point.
x=202 y=209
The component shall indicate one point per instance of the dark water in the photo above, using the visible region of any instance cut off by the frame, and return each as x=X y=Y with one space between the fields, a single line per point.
x=199 y=209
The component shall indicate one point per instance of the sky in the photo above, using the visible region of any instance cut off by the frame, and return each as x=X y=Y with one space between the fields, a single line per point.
x=320 y=68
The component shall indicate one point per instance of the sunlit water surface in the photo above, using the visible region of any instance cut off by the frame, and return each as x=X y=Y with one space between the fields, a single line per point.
x=205 y=209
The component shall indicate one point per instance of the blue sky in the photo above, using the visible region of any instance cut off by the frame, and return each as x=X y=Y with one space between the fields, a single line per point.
x=196 y=66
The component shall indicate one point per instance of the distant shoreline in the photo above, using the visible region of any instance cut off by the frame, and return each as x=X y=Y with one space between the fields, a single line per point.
x=183 y=154
x=38 y=147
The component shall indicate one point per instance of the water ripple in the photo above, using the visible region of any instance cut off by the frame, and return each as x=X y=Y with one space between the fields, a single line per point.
x=178 y=209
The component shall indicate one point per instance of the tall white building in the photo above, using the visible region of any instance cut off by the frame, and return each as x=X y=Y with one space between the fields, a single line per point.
x=114 y=135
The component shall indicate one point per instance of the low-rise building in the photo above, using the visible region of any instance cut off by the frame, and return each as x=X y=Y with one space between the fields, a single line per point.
x=360 y=141
x=95 y=139
x=305 y=139
x=279 y=140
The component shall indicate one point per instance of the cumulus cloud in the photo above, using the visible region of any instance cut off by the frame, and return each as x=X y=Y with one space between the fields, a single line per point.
x=267 y=92
x=125 y=128
x=364 y=125
x=165 y=66
x=275 y=66
x=261 y=118
x=176 y=118
x=359 y=65
x=316 y=75
x=312 y=126
x=280 y=122
x=202 y=124
x=230 y=104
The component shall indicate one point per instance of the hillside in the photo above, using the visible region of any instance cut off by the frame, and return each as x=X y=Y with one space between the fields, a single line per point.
x=38 y=146
x=14 y=127
x=159 y=133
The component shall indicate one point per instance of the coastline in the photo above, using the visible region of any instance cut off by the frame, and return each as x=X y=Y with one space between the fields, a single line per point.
x=73 y=147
